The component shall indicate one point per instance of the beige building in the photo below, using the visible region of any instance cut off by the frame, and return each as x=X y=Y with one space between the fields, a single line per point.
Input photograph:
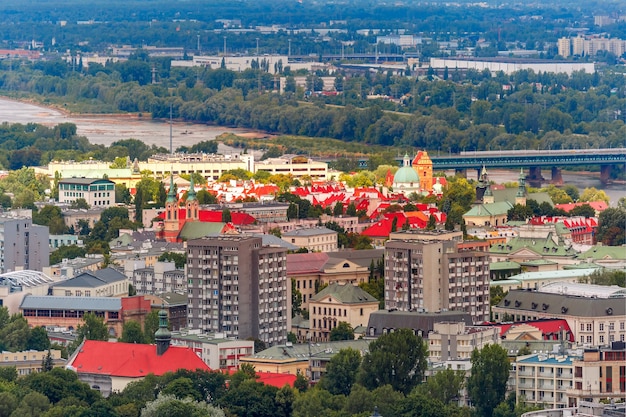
x=308 y=359
x=30 y=361
x=317 y=239
x=296 y=166
x=100 y=283
x=565 y=47
x=543 y=379
x=600 y=374
x=434 y=275
x=596 y=314
x=454 y=340
x=310 y=270
x=339 y=303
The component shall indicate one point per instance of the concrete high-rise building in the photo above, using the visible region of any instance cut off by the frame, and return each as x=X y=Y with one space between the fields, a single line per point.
x=564 y=45
x=238 y=287
x=23 y=245
x=578 y=46
x=436 y=275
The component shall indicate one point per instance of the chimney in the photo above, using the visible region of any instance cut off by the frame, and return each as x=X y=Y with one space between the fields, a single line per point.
x=162 y=336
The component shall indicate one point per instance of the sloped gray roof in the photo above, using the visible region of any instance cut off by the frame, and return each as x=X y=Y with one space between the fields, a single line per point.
x=271 y=240
x=346 y=294
x=384 y=319
x=559 y=305
x=74 y=303
x=360 y=257
x=93 y=279
x=313 y=231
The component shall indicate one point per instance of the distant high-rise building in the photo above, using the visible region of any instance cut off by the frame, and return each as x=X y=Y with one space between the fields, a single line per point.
x=238 y=287
x=23 y=245
x=565 y=46
x=436 y=275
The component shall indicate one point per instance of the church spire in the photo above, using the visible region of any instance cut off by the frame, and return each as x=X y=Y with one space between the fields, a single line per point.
x=191 y=194
x=171 y=194
x=162 y=336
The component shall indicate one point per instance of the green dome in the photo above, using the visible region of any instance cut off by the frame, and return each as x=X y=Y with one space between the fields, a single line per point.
x=406 y=175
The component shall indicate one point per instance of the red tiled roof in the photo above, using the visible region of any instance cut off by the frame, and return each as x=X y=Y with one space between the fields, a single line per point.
x=598 y=206
x=132 y=360
x=550 y=328
x=303 y=263
x=276 y=380
x=237 y=218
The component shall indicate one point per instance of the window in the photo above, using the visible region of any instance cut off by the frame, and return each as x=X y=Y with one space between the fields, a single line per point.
x=601 y=327
x=588 y=339
x=588 y=327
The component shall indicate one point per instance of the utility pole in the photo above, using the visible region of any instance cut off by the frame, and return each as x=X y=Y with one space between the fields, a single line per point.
x=257 y=46
x=289 y=51
x=224 y=45
x=171 y=129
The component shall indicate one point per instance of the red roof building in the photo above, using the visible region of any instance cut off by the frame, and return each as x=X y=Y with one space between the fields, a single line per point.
x=109 y=366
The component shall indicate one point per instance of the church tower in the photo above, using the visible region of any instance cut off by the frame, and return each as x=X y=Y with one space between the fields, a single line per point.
x=520 y=197
x=171 y=222
x=192 y=206
x=423 y=165
x=162 y=336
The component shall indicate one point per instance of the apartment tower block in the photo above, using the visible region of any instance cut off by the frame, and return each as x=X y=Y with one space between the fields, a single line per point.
x=436 y=275
x=238 y=287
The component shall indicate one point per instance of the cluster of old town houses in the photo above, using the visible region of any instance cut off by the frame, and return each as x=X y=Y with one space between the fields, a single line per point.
x=240 y=274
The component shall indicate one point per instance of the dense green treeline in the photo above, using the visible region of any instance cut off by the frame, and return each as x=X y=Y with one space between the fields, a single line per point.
x=481 y=112
x=389 y=377
x=179 y=23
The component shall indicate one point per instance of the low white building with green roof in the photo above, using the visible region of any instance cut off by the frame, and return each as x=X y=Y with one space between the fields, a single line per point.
x=610 y=257
x=534 y=280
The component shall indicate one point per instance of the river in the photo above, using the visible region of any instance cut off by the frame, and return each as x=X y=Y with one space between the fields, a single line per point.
x=107 y=129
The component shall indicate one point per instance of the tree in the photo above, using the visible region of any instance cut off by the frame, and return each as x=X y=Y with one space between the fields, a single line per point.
x=122 y=194
x=205 y=197
x=593 y=194
x=486 y=385
x=612 y=227
x=338 y=209
x=341 y=372
x=343 y=331
x=66 y=252
x=33 y=404
x=519 y=213
x=584 y=210
x=179 y=259
x=38 y=339
x=47 y=362
x=170 y=406
x=151 y=325
x=296 y=299
x=445 y=385
x=132 y=333
x=432 y=223
x=351 y=209
x=93 y=328
x=79 y=203
x=226 y=216
x=52 y=217
x=397 y=359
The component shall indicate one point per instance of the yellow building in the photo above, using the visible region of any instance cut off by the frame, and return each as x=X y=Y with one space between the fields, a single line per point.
x=308 y=359
x=339 y=303
x=30 y=361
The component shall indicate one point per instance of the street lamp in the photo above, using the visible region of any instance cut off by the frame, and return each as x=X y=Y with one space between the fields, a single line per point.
x=376 y=412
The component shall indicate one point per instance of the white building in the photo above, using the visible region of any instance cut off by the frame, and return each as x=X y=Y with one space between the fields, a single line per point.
x=543 y=380
x=511 y=65
x=596 y=314
x=97 y=192
x=273 y=63
x=215 y=349
x=315 y=239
